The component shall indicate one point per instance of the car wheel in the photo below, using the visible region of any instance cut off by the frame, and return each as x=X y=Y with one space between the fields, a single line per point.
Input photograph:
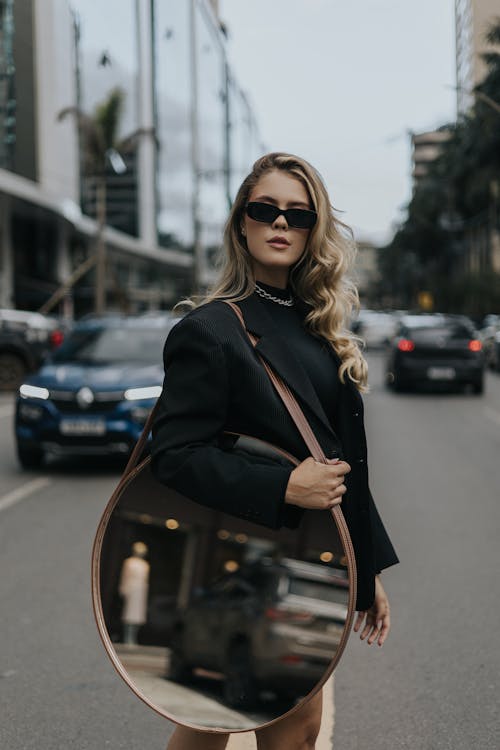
x=240 y=686
x=30 y=458
x=12 y=371
x=478 y=388
x=390 y=380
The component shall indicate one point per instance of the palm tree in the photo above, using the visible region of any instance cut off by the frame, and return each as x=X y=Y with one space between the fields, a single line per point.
x=100 y=145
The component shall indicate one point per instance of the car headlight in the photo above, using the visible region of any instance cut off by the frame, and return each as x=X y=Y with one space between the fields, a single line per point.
x=137 y=394
x=33 y=391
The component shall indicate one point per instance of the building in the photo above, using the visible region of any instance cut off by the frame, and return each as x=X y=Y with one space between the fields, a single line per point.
x=366 y=271
x=472 y=19
x=167 y=192
x=425 y=148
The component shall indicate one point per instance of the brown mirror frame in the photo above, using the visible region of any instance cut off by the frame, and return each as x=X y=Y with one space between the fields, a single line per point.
x=131 y=472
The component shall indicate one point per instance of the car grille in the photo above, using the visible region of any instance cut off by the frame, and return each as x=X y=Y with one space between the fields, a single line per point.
x=66 y=402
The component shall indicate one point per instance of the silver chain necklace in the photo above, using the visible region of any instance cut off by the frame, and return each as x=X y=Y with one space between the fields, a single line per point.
x=266 y=295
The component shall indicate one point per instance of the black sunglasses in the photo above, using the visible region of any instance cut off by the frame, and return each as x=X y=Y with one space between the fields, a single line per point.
x=300 y=218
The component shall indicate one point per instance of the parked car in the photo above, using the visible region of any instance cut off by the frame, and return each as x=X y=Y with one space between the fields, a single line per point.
x=274 y=625
x=438 y=350
x=375 y=327
x=25 y=340
x=490 y=336
x=95 y=393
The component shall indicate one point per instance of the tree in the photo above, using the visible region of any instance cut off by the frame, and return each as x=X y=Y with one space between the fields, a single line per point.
x=458 y=196
x=100 y=145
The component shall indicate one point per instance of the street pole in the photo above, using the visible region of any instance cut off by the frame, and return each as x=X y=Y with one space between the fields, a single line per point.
x=100 y=272
x=198 y=251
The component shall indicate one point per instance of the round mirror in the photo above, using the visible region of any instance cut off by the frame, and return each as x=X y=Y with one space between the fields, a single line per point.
x=215 y=622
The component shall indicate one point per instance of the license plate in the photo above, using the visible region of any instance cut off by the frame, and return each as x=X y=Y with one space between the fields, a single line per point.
x=82 y=427
x=441 y=373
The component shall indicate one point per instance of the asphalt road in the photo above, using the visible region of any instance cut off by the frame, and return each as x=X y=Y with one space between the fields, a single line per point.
x=434 y=463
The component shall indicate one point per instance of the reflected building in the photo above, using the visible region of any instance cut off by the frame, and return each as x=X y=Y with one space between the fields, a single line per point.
x=186 y=136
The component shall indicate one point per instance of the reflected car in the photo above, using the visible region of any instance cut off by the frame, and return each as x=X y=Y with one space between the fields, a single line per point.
x=94 y=394
x=442 y=351
x=270 y=626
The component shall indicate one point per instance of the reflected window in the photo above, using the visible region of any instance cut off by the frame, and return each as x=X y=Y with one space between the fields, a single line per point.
x=107 y=60
x=172 y=83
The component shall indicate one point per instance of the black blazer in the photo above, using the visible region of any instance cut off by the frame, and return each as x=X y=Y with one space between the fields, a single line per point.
x=214 y=381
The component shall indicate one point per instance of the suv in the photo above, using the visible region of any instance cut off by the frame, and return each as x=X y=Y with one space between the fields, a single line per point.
x=25 y=339
x=94 y=394
x=269 y=626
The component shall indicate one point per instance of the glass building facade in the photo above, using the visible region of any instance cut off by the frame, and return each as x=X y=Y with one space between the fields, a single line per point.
x=208 y=137
x=107 y=59
x=194 y=139
x=7 y=85
x=173 y=114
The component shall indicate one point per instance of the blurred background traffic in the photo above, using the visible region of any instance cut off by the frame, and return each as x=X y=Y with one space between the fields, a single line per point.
x=126 y=127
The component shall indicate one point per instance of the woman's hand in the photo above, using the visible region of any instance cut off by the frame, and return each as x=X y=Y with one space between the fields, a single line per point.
x=378 y=617
x=314 y=485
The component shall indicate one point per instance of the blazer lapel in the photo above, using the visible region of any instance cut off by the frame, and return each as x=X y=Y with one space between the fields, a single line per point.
x=273 y=347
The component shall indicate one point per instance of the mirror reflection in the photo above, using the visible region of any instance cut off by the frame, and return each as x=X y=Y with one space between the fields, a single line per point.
x=219 y=622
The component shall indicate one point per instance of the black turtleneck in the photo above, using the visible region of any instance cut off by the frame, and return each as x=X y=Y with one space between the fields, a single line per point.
x=312 y=352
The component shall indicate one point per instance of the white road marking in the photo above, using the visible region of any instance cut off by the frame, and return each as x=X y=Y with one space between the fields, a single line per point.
x=14 y=496
x=492 y=414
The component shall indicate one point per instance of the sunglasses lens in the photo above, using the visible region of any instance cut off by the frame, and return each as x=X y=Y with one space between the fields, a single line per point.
x=298 y=217
x=262 y=212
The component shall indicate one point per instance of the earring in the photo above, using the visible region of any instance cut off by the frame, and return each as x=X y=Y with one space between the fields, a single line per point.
x=243 y=231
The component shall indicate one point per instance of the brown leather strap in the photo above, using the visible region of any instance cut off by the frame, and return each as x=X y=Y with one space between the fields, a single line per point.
x=141 y=443
x=310 y=440
x=318 y=454
x=284 y=392
x=287 y=397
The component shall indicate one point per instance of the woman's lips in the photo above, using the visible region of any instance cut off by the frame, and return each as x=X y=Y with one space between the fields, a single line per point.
x=278 y=242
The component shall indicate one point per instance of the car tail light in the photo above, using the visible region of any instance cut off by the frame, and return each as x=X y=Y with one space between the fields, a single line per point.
x=406 y=345
x=475 y=345
x=287 y=615
x=291 y=659
x=56 y=338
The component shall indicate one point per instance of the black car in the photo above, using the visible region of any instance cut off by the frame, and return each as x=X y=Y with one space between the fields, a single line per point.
x=442 y=351
x=25 y=340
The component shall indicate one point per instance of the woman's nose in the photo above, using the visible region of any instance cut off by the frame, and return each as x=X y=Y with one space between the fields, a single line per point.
x=280 y=221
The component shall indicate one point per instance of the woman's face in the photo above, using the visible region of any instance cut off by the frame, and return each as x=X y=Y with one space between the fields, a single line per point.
x=275 y=247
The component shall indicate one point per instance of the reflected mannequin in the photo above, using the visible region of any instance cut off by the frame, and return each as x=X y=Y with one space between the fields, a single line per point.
x=133 y=588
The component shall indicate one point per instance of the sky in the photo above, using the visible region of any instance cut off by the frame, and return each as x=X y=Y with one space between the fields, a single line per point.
x=342 y=83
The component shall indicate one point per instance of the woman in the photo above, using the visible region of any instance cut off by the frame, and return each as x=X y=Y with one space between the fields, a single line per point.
x=285 y=263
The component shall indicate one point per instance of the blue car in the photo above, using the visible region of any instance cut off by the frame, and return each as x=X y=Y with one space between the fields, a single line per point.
x=94 y=394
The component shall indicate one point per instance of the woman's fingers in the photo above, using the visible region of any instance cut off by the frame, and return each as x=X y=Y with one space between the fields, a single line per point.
x=313 y=484
x=375 y=629
x=359 y=621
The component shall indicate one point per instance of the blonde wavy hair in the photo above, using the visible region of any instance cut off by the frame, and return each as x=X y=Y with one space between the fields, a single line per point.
x=319 y=278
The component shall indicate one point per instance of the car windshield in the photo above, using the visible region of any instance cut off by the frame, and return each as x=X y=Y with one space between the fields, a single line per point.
x=112 y=346
x=326 y=591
